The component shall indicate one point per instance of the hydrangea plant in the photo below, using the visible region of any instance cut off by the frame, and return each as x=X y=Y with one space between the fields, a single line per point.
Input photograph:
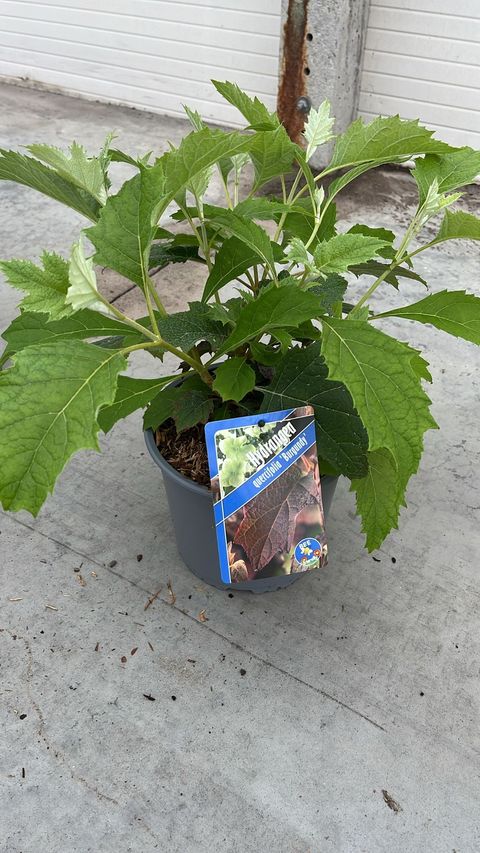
x=271 y=330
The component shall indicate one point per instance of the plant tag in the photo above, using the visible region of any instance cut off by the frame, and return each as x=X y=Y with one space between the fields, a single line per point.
x=267 y=498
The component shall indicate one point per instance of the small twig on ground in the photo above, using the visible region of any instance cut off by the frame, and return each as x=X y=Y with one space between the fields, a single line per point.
x=391 y=803
x=152 y=599
x=203 y=616
x=173 y=597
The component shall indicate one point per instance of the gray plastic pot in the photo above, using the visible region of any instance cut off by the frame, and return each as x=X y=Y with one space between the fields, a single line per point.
x=191 y=510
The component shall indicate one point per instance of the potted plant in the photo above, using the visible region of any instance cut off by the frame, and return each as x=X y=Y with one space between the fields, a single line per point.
x=271 y=329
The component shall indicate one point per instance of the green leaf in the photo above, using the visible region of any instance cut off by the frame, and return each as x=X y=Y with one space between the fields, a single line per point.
x=46 y=288
x=261 y=208
x=452 y=170
x=83 y=291
x=188 y=403
x=252 y=110
x=344 y=251
x=452 y=311
x=232 y=259
x=272 y=154
x=301 y=379
x=265 y=353
x=248 y=232
x=83 y=171
x=162 y=254
x=300 y=222
x=297 y=253
x=49 y=403
x=29 y=172
x=234 y=379
x=195 y=118
x=420 y=366
x=132 y=394
x=376 y=269
x=386 y=392
x=377 y=501
x=196 y=152
x=458 y=225
x=31 y=329
x=331 y=291
x=186 y=328
x=117 y=156
x=384 y=140
x=381 y=234
x=318 y=128
x=279 y=307
x=127 y=224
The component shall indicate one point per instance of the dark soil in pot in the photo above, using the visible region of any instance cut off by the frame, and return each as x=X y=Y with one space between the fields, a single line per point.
x=183 y=462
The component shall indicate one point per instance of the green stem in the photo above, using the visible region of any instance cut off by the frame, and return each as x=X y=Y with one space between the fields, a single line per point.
x=288 y=201
x=147 y=284
x=228 y=197
x=158 y=301
x=183 y=356
x=127 y=320
x=400 y=256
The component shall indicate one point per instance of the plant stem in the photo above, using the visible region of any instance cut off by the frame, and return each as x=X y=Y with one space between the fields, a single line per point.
x=127 y=320
x=183 y=356
x=400 y=255
x=148 y=299
x=228 y=197
x=158 y=301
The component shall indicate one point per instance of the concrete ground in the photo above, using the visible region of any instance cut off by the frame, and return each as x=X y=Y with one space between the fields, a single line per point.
x=339 y=715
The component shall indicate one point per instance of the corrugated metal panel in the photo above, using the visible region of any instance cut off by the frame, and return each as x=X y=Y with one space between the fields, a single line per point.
x=151 y=54
x=422 y=59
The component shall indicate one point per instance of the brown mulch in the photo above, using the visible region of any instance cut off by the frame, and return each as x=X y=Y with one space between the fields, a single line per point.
x=185 y=451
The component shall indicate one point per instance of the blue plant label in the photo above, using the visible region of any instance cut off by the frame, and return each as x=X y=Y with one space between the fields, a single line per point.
x=267 y=498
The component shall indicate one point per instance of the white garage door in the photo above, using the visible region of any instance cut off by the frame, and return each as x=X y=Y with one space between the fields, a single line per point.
x=422 y=59
x=151 y=54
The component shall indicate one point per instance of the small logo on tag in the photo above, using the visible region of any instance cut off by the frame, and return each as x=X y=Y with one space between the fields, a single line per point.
x=309 y=553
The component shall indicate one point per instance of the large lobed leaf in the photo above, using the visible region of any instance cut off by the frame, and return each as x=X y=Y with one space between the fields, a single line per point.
x=49 y=404
x=252 y=109
x=188 y=403
x=385 y=140
x=83 y=171
x=272 y=155
x=387 y=393
x=377 y=497
x=30 y=329
x=126 y=228
x=247 y=231
x=186 y=328
x=46 y=288
x=234 y=379
x=197 y=152
x=301 y=379
x=451 y=171
x=346 y=250
x=457 y=225
x=232 y=259
x=276 y=308
x=31 y=173
x=452 y=311
x=132 y=394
